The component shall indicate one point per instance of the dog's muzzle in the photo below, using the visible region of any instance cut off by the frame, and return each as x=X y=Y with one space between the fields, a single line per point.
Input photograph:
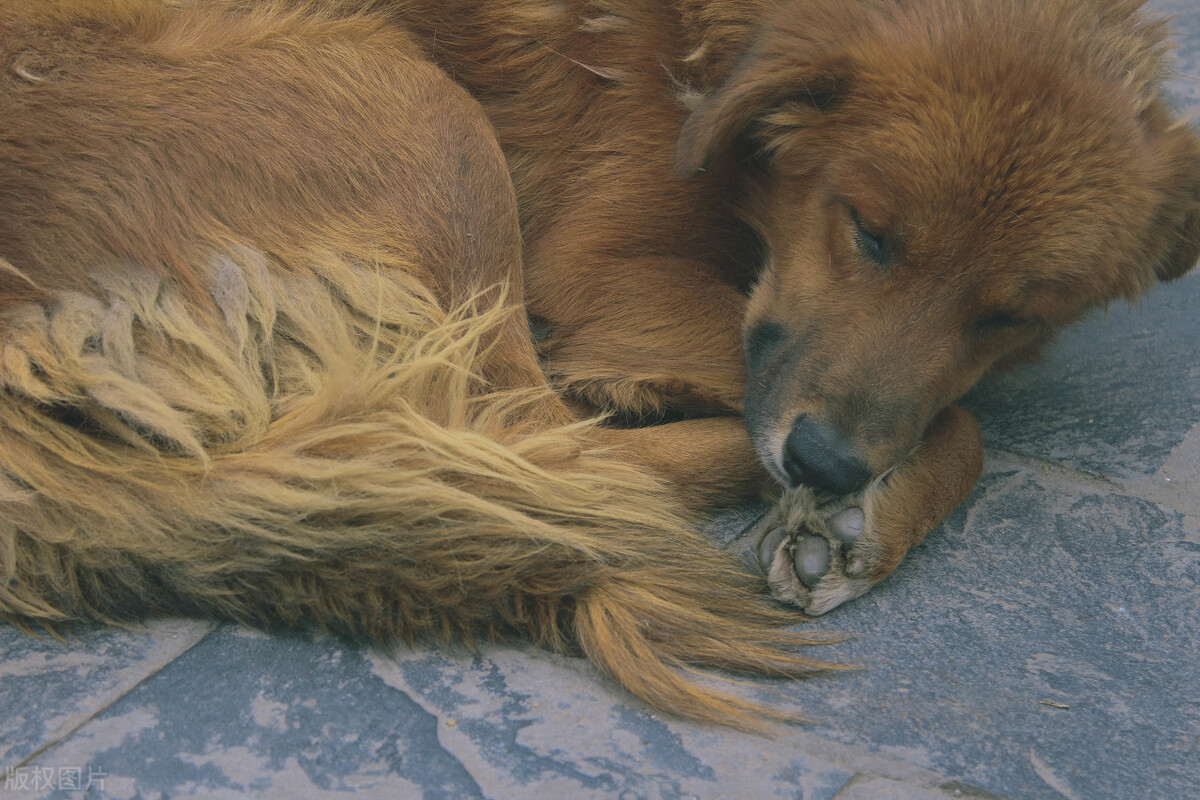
x=817 y=456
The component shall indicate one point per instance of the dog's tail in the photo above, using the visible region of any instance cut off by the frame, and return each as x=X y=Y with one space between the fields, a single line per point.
x=317 y=448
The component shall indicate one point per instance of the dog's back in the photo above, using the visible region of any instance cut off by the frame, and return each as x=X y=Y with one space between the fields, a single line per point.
x=256 y=367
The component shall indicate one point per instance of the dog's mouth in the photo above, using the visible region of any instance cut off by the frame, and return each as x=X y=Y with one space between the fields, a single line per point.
x=810 y=452
x=828 y=434
x=818 y=456
x=805 y=449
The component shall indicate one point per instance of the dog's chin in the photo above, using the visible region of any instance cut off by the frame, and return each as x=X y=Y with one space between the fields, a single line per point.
x=769 y=446
x=767 y=432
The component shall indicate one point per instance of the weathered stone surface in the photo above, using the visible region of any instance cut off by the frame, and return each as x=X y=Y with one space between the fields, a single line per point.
x=1114 y=396
x=50 y=687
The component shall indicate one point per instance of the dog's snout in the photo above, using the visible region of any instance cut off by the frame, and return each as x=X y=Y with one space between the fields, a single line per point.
x=817 y=456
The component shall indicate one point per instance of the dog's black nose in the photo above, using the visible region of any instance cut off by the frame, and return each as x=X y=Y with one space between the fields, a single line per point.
x=817 y=456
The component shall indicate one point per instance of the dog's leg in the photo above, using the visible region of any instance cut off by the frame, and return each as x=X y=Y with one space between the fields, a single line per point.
x=649 y=335
x=664 y=336
x=708 y=464
x=818 y=558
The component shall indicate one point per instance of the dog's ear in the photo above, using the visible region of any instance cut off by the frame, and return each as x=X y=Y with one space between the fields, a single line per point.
x=800 y=63
x=1173 y=242
x=757 y=85
x=1181 y=257
x=1180 y=227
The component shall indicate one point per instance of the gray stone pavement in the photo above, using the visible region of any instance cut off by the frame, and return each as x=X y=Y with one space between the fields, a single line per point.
x=1043 y=643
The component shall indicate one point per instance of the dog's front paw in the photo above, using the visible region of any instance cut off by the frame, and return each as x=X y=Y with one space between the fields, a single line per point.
x=818 y=557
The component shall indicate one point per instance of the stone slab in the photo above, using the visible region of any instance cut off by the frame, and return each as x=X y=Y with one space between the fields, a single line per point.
x=50 y=687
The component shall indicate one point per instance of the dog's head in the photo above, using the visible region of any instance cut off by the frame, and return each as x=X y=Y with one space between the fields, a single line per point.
x=940 y=185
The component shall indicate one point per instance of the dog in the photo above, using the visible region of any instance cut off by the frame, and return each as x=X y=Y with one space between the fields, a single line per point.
x=401 y=318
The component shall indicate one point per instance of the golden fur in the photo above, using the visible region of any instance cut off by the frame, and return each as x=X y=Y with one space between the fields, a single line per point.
x=265 y=269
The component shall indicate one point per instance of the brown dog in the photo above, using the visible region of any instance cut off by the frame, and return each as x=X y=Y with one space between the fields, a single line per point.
x=265 y=267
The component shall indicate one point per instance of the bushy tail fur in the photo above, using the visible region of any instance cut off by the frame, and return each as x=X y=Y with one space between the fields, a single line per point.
x=316 y=448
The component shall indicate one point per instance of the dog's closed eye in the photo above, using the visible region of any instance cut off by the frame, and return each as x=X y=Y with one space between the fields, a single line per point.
x=1000 y=322
x=875 y=247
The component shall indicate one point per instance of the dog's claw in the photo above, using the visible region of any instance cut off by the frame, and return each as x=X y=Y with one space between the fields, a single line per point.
x=847 y=526
x=811 y=559
x=767 y=548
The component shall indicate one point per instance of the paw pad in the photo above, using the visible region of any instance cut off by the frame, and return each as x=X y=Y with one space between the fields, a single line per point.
x=808 y=552
x=810 y=558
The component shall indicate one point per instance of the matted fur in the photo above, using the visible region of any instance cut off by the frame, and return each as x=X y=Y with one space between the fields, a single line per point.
x=323 y=451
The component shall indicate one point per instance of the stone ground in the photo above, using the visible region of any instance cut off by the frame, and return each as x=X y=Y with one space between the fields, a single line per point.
x=1043 y=643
